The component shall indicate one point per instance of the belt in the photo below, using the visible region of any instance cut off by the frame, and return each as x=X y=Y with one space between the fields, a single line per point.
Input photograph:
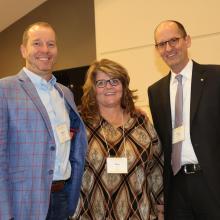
x=191 y=168
x=58 y=185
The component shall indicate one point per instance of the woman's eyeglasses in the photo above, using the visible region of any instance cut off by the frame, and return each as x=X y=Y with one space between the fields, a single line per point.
x=102 y=83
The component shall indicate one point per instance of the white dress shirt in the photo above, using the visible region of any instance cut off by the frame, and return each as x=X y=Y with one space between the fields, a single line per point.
x=188 y=154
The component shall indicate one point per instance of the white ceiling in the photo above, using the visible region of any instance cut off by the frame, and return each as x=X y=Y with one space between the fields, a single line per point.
x=12 y=10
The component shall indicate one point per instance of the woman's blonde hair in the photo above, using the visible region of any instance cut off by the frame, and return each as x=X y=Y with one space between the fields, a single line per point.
x=89 y=107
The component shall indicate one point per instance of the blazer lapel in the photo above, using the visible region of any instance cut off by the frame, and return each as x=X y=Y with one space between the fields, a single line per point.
x=70 y=105
x=166 y=111
x=198 y=82
x=69 y=99
x=32 y=93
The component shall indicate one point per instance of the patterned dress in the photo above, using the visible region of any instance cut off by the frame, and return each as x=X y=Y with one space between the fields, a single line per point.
x=130 y=196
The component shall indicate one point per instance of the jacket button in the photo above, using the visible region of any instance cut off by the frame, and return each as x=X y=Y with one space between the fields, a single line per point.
x=50 y=172
x=52 y=148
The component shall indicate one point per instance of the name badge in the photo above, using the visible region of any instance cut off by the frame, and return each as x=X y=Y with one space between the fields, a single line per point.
x=178 y=134
x=62 y=133
x=117 y=165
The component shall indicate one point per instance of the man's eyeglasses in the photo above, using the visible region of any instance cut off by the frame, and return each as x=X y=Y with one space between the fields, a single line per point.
x=102 y=83
x=172 y=43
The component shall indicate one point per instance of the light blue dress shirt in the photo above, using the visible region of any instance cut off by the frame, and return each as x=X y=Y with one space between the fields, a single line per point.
x=55 y=105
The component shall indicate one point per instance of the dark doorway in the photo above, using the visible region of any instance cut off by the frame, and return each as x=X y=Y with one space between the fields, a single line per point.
x=74 y=79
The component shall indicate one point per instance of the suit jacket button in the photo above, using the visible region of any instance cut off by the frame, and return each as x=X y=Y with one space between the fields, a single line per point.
x=52 y=148
x=50 y=172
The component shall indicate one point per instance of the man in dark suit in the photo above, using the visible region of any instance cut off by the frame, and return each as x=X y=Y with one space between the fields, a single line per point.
x=42 y=137
x=192 y=191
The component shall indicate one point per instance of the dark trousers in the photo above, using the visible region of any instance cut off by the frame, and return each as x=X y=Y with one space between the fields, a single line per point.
x=58 y=208
x=191 y=199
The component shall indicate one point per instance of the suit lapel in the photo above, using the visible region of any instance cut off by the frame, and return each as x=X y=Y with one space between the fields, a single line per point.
x=68 y=99
x=70 y=105
x=198 y=82
x=32 y=93
x=166 y=111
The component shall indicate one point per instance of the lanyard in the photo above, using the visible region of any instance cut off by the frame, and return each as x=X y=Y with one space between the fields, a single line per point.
x=123 y=133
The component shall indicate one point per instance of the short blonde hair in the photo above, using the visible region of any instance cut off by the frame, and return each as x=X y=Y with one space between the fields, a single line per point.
x=40 y=23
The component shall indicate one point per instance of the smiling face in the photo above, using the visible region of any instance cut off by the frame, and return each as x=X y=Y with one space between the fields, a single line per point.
x=108 y=96
x=40 y=50
x=176 y=57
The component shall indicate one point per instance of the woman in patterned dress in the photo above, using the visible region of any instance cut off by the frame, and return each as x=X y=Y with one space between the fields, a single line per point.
x=123 y=171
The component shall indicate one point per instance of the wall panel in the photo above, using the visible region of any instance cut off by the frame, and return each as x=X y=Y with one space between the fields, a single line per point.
x=124 y=32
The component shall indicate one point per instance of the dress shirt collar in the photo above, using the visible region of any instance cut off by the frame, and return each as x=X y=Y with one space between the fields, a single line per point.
x=186 y=73
x=39 y=82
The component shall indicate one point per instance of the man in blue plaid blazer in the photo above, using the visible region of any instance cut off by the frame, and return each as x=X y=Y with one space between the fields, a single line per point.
x=42 y=137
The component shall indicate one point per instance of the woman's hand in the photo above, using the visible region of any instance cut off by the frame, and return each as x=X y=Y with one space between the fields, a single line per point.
x=160 y=211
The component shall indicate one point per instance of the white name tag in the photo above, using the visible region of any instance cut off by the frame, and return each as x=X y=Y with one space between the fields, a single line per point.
x=178 y=134
x=117 y=165
x=63 y=133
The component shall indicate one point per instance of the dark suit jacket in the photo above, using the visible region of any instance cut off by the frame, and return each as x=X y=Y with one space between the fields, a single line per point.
x=204 y=124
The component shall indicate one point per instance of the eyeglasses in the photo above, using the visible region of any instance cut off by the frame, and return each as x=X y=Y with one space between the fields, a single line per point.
x=172 y=43
x=102 y=83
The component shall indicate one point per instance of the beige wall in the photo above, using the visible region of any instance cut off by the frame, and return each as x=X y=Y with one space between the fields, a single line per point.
x=74 y=23
x=124 y=33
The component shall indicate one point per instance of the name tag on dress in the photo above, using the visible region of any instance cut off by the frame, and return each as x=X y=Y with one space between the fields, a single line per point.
x=62 y=133
x=178 y=134
x=117 y=165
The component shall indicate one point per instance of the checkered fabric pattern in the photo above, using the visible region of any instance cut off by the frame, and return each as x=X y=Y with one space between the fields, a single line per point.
x=27 y=151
